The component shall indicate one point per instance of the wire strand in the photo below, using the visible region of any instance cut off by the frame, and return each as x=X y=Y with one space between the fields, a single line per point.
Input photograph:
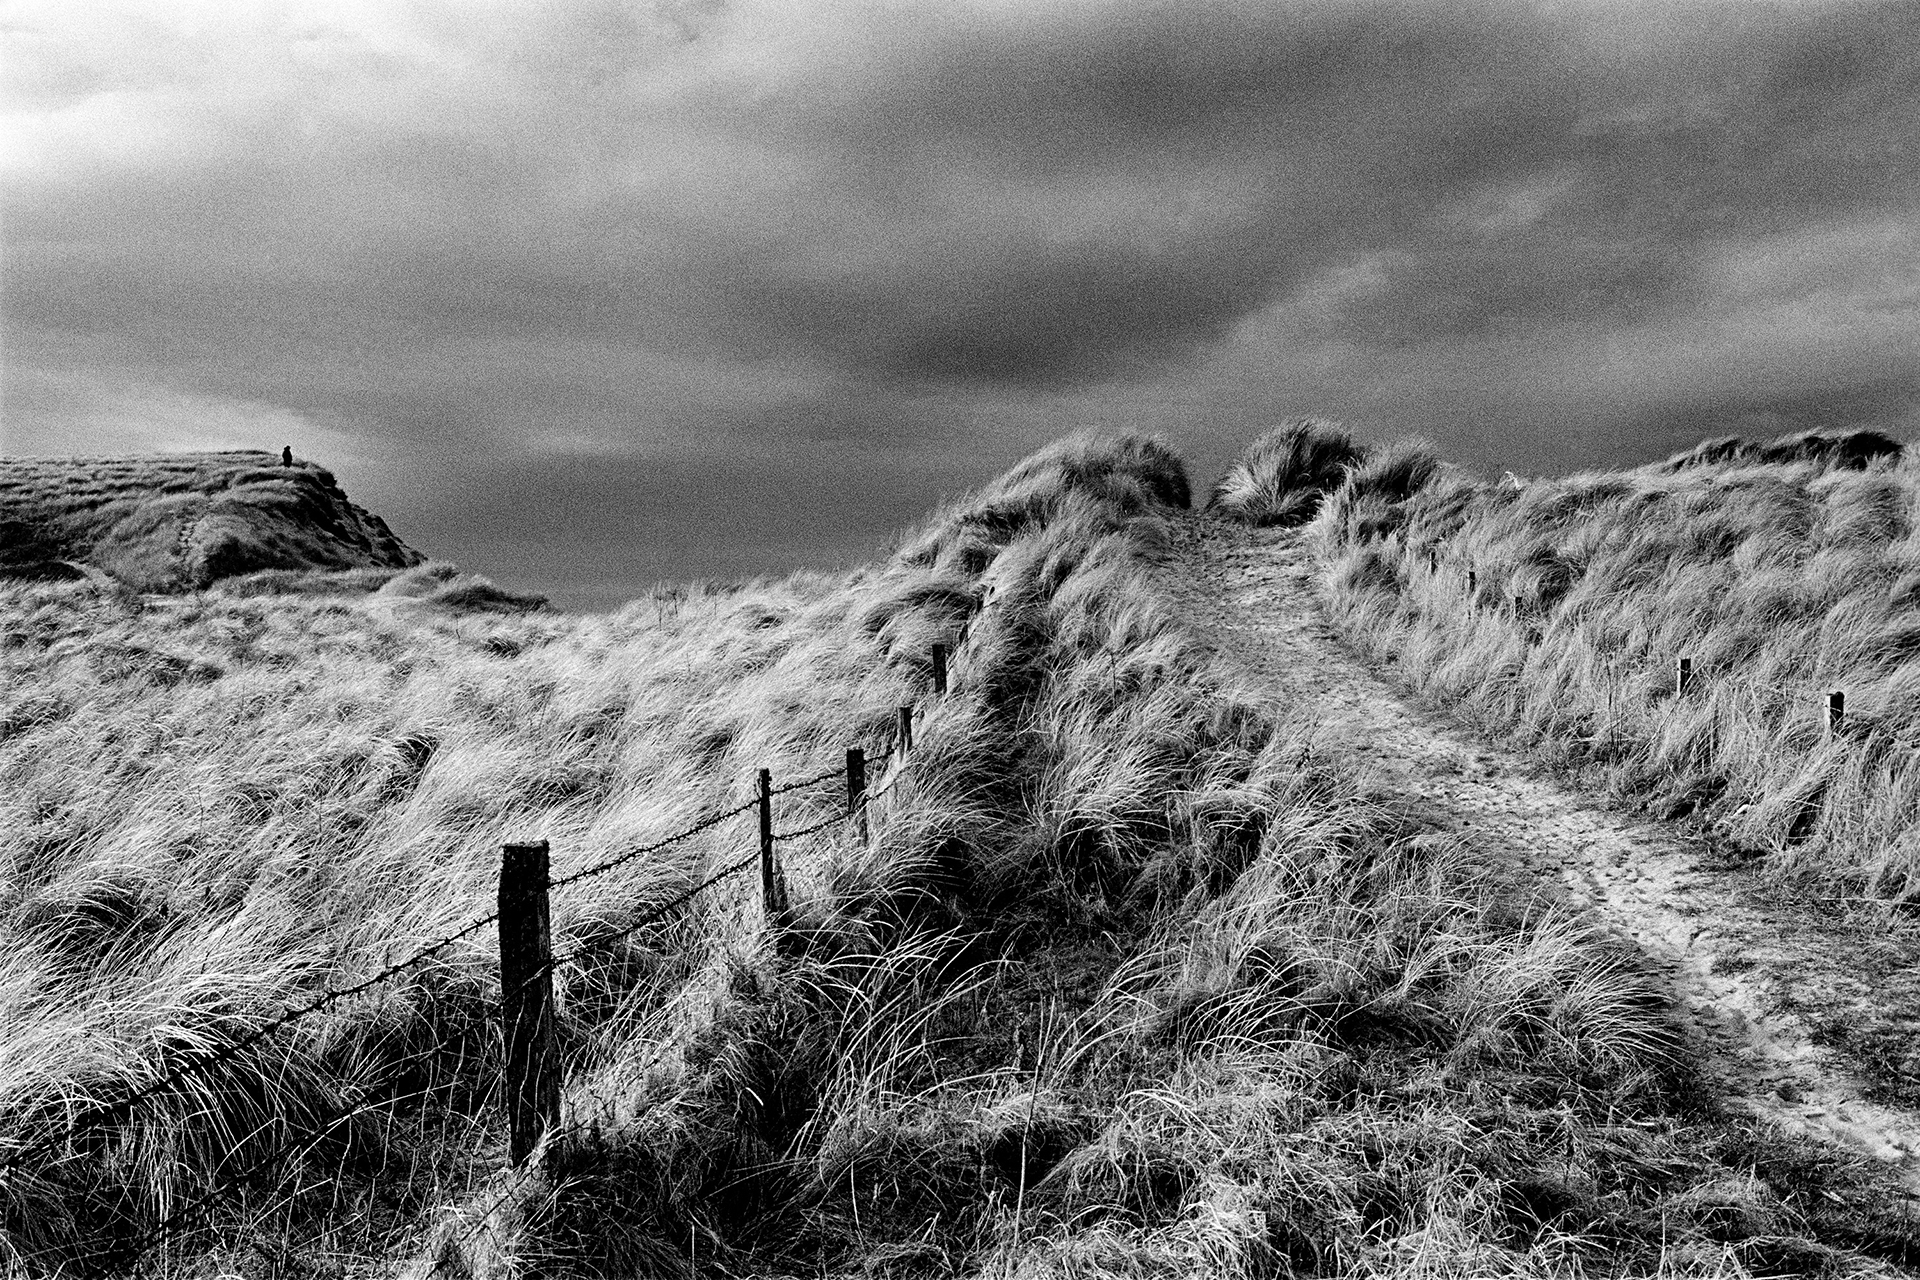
x=818 y=778
x=604 y=867
x=818 y=826
x=226 y=1053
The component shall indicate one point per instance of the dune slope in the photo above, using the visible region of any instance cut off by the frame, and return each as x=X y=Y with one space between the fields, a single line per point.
x=1125 y=979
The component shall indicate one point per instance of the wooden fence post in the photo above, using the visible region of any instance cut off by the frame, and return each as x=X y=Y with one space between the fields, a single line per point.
x=940 y=668
x=857 y=788
x=1836 y=712
x=904 y=743
x=526 y=997
x=1682 y=674
x=770 y=896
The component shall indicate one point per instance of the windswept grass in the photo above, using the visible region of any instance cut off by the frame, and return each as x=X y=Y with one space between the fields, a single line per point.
x=1286 y=473
x=1784 y=571
x=1120 y=986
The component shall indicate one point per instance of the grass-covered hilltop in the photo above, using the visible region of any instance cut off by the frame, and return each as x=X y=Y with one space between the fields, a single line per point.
x=184 y=520
x=1555 y=613
x=1123 y=979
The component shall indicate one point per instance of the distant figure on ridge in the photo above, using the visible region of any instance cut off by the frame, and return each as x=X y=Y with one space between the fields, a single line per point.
x=286 y=455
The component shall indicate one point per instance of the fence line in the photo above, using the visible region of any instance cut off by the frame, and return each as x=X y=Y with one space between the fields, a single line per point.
x=601 y=868
x=104 y=1113
x=226 y=1182
x=1839 y=718
x=1688 y=675
x=858 y=810
x=232 y=1180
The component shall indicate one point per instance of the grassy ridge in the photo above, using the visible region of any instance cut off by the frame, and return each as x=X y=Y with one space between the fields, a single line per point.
x=183 y=521
x=1783 y=571
x=1120 y=987
x=277 y=794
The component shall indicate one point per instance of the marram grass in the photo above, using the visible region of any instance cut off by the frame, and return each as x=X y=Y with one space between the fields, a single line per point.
x=1118 y=987
x=1555 y=612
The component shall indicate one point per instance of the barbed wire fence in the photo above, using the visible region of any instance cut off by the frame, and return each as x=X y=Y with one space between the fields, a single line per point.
x=526 y=1001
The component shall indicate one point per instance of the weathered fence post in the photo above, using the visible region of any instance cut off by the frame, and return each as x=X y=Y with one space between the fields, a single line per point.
x=1682 y=674
x=905 y=733
x=1836 y=712
x=940 y=668
x=526 y=997
x=857 y=788
x=771 y=898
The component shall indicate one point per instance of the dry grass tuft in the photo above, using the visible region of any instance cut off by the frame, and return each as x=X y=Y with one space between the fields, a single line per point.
x=1286 y=473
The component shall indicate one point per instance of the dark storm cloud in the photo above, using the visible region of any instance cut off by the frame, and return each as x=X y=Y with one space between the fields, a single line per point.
x=670 y=234
x=1066 y=204
x=1057 y=204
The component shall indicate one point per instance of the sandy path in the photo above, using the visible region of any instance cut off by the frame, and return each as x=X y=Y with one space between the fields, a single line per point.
x=1736 y=962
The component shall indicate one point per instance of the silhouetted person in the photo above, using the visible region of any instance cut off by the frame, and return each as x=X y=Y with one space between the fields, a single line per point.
x=286 y=455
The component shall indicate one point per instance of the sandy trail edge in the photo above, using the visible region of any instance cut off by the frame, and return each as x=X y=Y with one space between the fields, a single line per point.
x=1251 y=594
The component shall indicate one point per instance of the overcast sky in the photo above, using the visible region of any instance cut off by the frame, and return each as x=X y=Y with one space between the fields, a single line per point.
x=583 y=295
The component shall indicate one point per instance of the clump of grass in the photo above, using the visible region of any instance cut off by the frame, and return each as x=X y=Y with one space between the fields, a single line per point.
x=308 y=582
x=1369 y=501
x=1286 y=473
